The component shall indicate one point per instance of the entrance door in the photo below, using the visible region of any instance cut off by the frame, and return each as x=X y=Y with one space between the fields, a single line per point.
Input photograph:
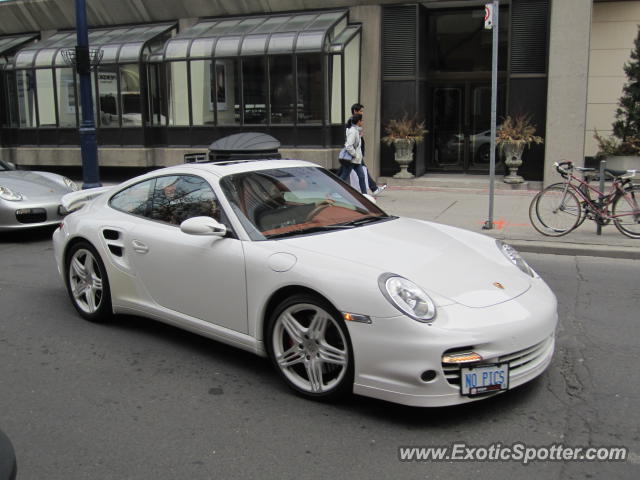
x=461 y=126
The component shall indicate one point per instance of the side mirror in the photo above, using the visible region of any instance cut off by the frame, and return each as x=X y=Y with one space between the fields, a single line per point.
x=203 y=226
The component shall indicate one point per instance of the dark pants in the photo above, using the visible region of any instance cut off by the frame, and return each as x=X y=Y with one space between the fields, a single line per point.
x=347 y=164
x=346 y=172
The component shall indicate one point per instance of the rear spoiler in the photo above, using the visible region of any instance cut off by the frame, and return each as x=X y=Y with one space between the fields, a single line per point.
x=75 y=200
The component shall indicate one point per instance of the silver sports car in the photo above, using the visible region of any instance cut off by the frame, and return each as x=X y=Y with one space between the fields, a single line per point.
x=30 y=199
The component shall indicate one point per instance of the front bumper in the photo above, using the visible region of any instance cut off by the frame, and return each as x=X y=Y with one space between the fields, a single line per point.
x=391 y=354
x=21 y=215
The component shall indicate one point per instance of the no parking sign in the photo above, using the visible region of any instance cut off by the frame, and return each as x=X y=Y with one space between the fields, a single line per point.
x=488 y=16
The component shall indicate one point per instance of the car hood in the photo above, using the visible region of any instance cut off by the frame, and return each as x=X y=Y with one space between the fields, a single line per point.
x=463 y=266
x=34 y=185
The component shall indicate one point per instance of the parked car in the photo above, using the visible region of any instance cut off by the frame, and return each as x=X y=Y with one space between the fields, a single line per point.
x=30 y=199
x=480 y=145
x=281 y=258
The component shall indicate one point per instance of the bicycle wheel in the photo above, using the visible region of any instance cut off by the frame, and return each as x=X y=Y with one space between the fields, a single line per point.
x=626 y=212
x=555 y=212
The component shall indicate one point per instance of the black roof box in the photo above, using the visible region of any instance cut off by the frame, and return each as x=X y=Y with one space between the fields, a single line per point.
x=244 y=146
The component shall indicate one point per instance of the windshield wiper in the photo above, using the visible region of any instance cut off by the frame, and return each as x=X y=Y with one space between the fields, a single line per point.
x=301 y=231
x=368 y=219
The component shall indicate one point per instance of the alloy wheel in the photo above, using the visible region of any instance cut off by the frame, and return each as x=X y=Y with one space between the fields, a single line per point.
x=85 y=281
x=310 y=348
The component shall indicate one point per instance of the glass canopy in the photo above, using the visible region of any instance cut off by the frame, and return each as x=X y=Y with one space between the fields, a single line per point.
x=119 y=45
x=9 y=43
x=308 y=32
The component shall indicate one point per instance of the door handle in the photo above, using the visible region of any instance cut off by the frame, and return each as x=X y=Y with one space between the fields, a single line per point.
x=139 y=247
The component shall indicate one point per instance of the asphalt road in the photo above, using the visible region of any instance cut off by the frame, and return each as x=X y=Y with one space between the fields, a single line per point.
x=140 y=400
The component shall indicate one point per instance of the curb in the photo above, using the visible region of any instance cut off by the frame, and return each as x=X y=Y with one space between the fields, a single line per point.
x=575 y=249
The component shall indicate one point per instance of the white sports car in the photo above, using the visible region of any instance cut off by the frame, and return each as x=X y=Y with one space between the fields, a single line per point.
x=281 y=258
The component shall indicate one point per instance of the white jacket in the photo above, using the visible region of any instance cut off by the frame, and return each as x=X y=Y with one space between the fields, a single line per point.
x=353 y=144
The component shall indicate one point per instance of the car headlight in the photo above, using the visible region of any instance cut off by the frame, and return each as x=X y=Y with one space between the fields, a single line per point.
x=515 y=258
x=407 y=297
x=71 y=184
x=7 y=194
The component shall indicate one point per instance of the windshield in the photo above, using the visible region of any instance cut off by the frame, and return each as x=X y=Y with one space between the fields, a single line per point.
x=289 y=201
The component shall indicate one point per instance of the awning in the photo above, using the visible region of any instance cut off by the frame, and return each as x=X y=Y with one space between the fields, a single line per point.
x=9 y=44
x=306 y=32
x=119 y=45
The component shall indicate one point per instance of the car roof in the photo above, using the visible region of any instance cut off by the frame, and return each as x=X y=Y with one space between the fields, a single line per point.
x=221 y=169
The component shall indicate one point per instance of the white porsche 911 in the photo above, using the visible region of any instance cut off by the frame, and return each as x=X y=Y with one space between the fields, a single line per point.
x=281 y=258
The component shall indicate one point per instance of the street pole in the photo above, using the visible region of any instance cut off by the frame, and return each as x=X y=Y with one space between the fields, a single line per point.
x=88 y=142
x=488 y=225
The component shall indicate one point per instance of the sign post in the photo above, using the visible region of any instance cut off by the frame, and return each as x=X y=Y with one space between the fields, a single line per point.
x=491 y=22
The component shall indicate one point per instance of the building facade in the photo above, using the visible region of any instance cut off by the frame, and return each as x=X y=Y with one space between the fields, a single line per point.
x=176 y=76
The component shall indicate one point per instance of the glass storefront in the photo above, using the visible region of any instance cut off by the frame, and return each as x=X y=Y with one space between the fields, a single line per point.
x=47 y=89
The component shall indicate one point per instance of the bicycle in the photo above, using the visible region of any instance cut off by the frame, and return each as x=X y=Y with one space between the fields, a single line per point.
x=562 y=207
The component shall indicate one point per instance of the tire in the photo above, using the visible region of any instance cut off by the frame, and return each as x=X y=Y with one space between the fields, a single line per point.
x=554 y=212
x=628 y=206
x=308 y=343
x=483 y=155
x=91 y=299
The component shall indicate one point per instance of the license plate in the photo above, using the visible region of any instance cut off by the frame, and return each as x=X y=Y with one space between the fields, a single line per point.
x=484 y=379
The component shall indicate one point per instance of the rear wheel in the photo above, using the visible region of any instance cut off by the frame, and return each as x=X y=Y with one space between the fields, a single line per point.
x=309 y=345
x=626 y=210
x=87 y=283
x=555 y=211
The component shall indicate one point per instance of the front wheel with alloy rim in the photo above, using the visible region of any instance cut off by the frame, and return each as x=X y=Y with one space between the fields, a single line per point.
x=87 y=283
x=309 y=345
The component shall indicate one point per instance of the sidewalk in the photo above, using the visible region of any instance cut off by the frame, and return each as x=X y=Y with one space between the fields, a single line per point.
x=468 y=207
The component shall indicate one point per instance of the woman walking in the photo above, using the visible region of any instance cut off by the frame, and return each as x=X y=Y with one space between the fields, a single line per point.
x=353 y=146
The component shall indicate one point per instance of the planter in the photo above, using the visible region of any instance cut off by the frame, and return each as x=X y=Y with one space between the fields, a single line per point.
x=622 y=162
x=403 y=156
x=513 y=161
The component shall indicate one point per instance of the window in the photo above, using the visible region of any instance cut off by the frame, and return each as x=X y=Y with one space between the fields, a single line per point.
x=310 y=94
x=335 y=79
x=4 y=111
x=178 y=99
x=282 y=88
x=203 y=92
x=177 y=198
x=67 y=97
x=254 y=89
x=26 y=98
x=459 y=43
x=289 y=201
x=134 y=199
x=157 y=105
x=46 y=98
x=108 y=101
x=130 y=96
x=171 y=199
x=228 y=92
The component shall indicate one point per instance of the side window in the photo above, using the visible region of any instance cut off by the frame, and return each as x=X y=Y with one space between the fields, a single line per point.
x=179 y=197
x=135 y=199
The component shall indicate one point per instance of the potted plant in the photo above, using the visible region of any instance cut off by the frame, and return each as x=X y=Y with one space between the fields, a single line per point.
x=512 y=136
x=622 y=150
x=403 y=134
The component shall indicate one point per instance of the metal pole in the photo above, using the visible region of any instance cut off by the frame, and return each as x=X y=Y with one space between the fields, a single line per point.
x=603 y=165
x=88 y=142
x=488 y=225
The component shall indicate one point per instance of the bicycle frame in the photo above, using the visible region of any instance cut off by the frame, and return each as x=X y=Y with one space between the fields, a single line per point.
x=604 y=199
